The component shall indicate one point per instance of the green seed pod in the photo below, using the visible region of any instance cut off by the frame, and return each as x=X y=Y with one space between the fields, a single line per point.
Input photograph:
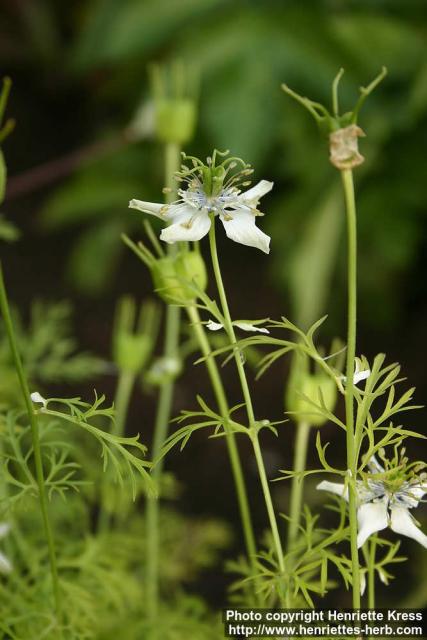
x=170 y=275
x=175 y=120
x=134 y=335
x=131 y=352
x=311 y=385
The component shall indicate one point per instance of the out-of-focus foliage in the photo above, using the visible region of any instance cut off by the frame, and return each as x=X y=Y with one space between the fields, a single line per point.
x=49 y=350
x=91 y=66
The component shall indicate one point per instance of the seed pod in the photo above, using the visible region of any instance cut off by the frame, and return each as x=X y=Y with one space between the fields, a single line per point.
x=176 y=277
x=305 y=388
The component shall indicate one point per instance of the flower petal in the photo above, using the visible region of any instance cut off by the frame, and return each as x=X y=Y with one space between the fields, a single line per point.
x=187 y=225
x=374 y=466
x=4 y=529
x=359 y=376
x=214 y=326
x=240 y=227
x=147 y=207
x=333 y=487
x=371 y=517
x=5 y=564
x=247 y=326
x=244 y=326
x=402 y=522
x=252 y=196
x=37 y=398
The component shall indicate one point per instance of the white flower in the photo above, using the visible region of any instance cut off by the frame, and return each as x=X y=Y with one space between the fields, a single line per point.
x=381 y=505
x=37 y=398
x=5 y=564
x=245 y=326
x=189 y=217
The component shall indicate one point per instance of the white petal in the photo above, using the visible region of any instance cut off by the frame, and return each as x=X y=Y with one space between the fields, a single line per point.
x=5 y=564
x=252 y=196
x=417 y=491
x=4 y=529
x=37 y=398
x=374 y=466
x=402 y=522
x=214 y=326
x=382 y=576
x=371 y=517
x=247 y=326
x=333 y=487
x=147 y=207
x=241 y=228
x=191 y=226
x=361 y=375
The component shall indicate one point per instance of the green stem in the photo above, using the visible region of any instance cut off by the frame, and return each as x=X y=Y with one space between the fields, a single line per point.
x=247 y=398
x=371 y=574
x=300 y=458
x=38 y=462
x=347 y=179
x=236 y=467
x=124 y=388
x=164 y=408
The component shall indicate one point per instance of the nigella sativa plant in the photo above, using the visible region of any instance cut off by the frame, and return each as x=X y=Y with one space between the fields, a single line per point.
x=213 y=189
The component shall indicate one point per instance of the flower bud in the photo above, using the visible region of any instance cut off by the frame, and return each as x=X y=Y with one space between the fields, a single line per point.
x=175 y=120
x=132 y=347
x=305 y=388
x=174 y=98
x=173 y=276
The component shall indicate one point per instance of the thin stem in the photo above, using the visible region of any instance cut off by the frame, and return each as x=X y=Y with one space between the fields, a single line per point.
x=164 y=408
x=236 y=467
x=347 y=179
x=297 y=487
x=247 y=397
x=124 y=388
x=4 y=308
x=371 y=573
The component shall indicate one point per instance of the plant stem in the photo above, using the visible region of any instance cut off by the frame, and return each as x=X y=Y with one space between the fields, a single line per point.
x=371 y=574
x=38 y=462
x=300 y=457
x=124 y=388
x=236 y=467
x=125 y=385
x=164 y=408
x=347 y=179
x=247 y=398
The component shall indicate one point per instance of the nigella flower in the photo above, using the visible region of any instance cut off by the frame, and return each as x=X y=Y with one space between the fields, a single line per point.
x=385 y=496
x=213 y=190
x=5 y=564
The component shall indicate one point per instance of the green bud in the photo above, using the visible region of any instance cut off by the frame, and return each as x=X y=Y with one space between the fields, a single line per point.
x=175 y=120
x=174 y=97
x=304 y=386
x=172 y=273
x=132 y=347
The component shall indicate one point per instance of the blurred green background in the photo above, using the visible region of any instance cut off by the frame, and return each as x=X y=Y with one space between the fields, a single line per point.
x=80 y=77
